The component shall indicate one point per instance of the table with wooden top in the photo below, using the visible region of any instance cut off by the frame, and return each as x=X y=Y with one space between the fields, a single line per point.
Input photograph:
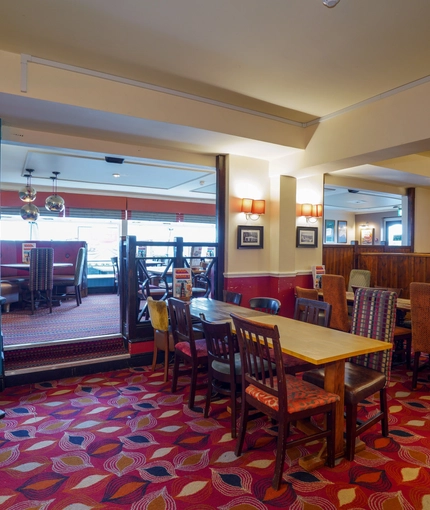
x=314 y=344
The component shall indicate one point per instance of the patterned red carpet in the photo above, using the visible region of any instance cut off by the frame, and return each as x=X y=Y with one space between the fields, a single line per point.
x=121 y=440
x=98 y=315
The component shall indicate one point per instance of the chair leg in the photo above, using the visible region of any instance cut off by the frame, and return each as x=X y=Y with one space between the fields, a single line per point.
x=32 y=302
x=280 y=454
x=417 y=355
x=49 y=296
x=351 y=426
x=233 y=400
x=384 y=411
x=154 y=357
x=208 y=394
x=331 y=424
x=408 y=352
x=166 y=360
x=175 y=373
x=193 y=387
x=242 y=426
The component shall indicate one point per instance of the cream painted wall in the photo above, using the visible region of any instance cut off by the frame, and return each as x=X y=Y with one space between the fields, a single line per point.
x=422 y=214
x=309 y=190
x=247 y=178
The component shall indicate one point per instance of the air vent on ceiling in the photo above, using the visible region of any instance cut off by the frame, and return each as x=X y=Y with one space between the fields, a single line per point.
x=353 y=191
x=110 y=159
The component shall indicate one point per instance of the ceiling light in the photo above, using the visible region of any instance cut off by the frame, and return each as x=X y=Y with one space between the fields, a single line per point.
x=54 y=202
x=116 y=175
x=28 y=193
x=330 y=3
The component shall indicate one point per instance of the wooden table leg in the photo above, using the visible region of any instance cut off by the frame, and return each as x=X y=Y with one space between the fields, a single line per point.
x=334 y=382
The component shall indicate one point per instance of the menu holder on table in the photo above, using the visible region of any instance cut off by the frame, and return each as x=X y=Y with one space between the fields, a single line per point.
x=182 y=283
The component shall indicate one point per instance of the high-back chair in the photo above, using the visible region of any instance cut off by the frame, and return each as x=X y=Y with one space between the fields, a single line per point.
x=374 y=316
x=334 y=292
x=265 y=304
x=311 y=311
x=76 y=280
x=420 y=317
x=163 y=338
x=359 y=278
x=235 y=298
x=41 y=275
x=224 y=366
x=282 y=397
x=188 y=349
x=115 y=269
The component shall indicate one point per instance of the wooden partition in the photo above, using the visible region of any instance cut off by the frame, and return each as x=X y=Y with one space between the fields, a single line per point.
x=391 y=266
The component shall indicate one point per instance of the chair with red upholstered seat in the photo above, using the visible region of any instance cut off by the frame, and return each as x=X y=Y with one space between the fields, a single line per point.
x=282 y=397
x=334 y=292
x=188 y=349
x=374 y=316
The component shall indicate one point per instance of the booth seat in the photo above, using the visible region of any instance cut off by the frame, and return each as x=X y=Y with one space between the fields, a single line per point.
x=10 y=291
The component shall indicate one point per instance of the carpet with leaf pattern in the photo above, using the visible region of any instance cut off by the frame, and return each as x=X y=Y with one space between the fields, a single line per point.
x=122 y=440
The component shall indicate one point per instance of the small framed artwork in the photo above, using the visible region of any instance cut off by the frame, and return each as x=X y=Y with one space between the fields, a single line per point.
x=249 y=237
x=367 y=235
x=307 y=237
x=329 y=231
x=341 y=231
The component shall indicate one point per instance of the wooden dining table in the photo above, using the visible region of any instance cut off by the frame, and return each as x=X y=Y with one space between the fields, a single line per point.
x=315 y=344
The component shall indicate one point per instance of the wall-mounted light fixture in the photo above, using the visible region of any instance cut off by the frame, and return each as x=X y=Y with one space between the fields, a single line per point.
x=253 y=209
x=311 y=212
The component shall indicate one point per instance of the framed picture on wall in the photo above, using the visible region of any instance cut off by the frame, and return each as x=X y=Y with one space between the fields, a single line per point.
x=367 y=235
x=249 y=237
x=307 y=237
x=341 y=231
x=329 y=231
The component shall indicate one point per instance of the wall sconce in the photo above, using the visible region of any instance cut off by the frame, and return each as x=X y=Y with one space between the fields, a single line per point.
x=311 y=212
x=253 y=209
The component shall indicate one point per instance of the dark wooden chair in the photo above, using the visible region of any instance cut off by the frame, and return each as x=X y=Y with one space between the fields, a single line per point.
x=235 y=298
x=284 y=398
x=374 y=316
x=189 y=350
x=420 y=317
x=311 y=311
x=224 y=366
x=265 y=304
x=202 y=284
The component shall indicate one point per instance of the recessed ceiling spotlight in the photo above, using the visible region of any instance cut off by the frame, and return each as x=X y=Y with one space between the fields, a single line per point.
x=116 y=175
x=330 y=3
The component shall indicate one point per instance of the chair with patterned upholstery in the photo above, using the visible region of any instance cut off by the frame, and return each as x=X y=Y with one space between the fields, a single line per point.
x=334 y=292
x=374 y=316
x=190 y=350
x=359 y=278
x=284 y=398
x=265 y=304
x=420 y=317
x=41 y=276
x=163 y=338
x=74 y=281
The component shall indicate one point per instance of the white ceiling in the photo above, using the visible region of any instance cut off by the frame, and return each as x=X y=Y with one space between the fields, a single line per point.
x=293 y=58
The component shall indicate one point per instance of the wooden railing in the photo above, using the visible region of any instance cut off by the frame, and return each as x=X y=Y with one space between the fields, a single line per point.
x=134 y=326
x=391 y=266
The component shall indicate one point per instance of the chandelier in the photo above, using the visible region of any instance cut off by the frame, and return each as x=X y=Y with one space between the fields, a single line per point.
x=54 y=202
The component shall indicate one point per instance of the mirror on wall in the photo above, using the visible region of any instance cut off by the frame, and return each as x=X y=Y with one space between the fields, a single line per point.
x=364 y=216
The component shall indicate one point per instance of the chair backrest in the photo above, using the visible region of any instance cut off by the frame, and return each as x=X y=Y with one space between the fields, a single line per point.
x=334 y=292
x=398 y=291
x=158 y=314
x=258 y=343
x=79 y=267
x=41 y=273
x=115 y=267
x=312 y=311
x=359 y=278
x=374 y=316
x=203 y=280
x=181 y=323
x=235 y=298
x=220 y=342
x=265 y=304
x=301 y=292
x=420 y=316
